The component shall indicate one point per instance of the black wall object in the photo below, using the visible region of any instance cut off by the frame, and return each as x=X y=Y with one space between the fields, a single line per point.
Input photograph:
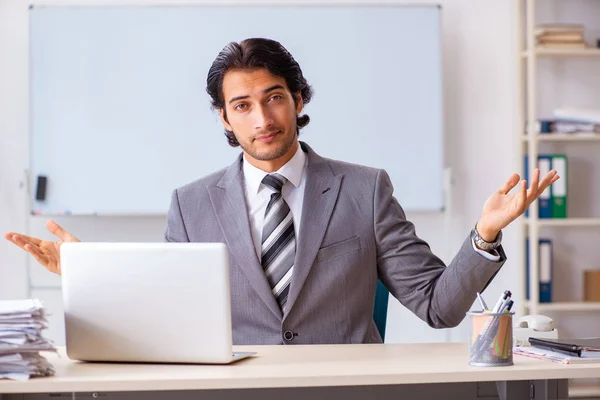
x=40 y=192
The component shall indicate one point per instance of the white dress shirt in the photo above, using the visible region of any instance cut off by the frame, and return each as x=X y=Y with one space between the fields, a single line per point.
x=258 y=196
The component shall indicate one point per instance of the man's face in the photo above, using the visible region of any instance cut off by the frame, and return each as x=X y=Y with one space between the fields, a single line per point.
x=261 y=113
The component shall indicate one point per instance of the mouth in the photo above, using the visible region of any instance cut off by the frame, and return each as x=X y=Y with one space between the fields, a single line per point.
x=267 y=138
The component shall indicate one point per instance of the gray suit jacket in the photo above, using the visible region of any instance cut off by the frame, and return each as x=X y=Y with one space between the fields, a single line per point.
x=352 y=233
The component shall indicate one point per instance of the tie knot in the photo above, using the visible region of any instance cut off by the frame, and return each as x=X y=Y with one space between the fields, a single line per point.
x=274 y=181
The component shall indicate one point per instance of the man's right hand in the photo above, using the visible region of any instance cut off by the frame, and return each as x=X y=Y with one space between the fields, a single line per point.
x=45 y=252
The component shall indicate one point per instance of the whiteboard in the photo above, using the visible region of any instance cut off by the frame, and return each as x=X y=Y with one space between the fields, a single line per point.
x=120 y=116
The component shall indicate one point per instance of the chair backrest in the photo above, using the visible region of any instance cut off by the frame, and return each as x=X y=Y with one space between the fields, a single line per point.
x=380 y=310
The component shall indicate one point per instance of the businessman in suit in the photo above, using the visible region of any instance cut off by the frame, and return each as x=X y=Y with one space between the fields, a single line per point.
x=309 y=237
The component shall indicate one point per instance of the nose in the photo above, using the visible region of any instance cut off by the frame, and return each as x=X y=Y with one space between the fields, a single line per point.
x=263 y=118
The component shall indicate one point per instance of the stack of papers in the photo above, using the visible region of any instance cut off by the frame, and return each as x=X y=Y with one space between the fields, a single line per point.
x=549 y=355
x=21 y=340
x=579 y=115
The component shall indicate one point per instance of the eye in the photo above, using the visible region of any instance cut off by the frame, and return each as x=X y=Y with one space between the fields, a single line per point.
x=276 y=97
x=241 y=107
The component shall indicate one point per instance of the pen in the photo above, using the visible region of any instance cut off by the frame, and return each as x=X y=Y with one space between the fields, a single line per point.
x=503 y=306
x=483 y=305
x=508 y=306
x=501 y=301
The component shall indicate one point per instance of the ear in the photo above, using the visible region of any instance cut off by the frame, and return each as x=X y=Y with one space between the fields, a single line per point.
x=299 y=103
x=224 y=120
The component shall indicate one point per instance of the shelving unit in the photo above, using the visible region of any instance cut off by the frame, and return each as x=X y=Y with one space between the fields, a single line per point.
x=565 y=137
x=568 y=306
x=592 y=52
x=558 y=222
x=527 y=102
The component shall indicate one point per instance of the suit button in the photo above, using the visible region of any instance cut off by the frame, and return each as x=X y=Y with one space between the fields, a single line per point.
x=288 y=335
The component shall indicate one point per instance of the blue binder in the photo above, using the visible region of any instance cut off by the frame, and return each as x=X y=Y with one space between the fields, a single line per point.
x=545 y=271
x=545 y=199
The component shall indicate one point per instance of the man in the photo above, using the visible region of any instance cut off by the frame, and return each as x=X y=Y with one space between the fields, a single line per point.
x=309 y=237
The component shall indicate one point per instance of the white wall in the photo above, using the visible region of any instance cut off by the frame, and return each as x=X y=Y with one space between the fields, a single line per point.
x=479 y=76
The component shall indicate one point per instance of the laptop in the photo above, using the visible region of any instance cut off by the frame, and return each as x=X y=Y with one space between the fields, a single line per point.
x=147 y=302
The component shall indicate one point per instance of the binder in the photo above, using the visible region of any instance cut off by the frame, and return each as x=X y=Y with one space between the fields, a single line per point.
x=526 y=177
x=584 y=348
x=545 y=260
x=559 y=188
x=545 y=199
x=540 y=126
x=527 y=262
x=545 y=270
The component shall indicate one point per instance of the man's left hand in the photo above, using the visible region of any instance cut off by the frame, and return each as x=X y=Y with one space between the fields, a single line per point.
x=501 y=208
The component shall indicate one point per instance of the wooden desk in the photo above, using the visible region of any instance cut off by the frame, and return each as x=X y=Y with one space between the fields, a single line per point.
x=298 y=367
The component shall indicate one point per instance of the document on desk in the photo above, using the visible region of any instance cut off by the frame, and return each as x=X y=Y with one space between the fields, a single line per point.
x=21 y=340
x=548 y=355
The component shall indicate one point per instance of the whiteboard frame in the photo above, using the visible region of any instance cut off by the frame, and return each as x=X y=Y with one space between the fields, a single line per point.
x=446 y=169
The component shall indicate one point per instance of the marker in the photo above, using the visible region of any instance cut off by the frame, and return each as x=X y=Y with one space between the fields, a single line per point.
x=501 y=301
x=503 y=306
x=508 y=306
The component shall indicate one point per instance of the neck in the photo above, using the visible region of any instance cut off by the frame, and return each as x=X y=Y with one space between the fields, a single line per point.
x=273 y=165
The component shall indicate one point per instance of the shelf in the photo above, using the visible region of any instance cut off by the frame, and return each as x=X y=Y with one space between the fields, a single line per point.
x=558 y=222
x=589 y=52
x=568 y=306
x=564 y=137
x=584 y=389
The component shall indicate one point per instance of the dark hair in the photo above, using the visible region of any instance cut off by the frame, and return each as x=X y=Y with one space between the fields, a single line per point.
x=252 y=54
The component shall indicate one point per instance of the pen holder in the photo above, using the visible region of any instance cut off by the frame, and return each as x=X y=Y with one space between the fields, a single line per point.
x=490 y=339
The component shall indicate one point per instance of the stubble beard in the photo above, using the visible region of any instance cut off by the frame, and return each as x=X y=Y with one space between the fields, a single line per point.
x=270 y=154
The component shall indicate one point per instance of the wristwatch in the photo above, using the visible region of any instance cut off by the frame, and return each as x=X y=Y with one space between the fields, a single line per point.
x=482 y=244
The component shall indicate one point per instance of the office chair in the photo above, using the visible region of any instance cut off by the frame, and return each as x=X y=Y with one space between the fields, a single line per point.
x=380 y=310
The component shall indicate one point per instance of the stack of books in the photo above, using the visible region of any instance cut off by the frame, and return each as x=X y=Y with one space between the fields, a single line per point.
x=21 y=340
x=560 y=36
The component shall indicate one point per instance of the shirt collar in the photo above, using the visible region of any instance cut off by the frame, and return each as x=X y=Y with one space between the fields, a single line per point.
x=293 y=171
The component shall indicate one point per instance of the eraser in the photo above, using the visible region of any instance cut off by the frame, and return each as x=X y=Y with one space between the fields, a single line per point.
x=40 y=192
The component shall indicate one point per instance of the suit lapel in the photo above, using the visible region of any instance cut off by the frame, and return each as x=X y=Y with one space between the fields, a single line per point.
x=320 y=195
x=229 y=204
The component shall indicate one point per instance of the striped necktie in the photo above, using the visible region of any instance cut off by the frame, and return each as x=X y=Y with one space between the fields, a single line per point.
x=278 y=247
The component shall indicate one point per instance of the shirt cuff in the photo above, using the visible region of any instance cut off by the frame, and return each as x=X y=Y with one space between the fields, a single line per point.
x=492 y=255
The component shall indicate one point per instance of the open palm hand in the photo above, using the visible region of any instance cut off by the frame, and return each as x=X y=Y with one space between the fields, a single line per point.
x=502 y=207
x=45 y=252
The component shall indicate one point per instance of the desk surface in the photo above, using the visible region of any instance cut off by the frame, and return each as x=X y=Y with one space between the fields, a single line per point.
x=297 y=366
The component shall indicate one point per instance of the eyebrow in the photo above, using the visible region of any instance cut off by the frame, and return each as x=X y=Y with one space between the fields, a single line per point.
x=267 y=90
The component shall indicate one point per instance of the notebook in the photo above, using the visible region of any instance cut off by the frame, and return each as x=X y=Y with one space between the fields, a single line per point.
x=584 y=348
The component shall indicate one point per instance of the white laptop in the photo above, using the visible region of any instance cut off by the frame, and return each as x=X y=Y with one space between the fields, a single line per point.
x=147 y=302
